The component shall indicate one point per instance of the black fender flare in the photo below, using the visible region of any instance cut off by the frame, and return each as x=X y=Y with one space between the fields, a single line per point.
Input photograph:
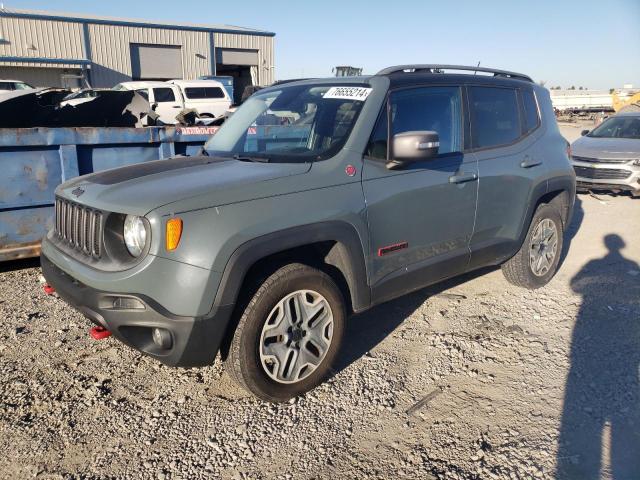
x=347 y=255
x=566 y=183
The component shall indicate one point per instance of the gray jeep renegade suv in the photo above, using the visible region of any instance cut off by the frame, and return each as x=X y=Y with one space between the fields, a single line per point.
x=316 y=200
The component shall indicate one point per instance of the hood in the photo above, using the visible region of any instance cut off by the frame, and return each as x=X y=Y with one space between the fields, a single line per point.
x=592 y=147
x=138 y=189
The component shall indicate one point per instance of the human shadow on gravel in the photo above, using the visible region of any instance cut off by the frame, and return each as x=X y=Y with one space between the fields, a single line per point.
x=366 y=330
x=600 y=427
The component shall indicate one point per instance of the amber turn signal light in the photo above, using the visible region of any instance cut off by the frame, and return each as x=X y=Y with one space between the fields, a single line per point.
x=174 y=232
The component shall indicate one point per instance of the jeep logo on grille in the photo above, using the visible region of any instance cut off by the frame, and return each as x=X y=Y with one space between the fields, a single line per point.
x=77 y=192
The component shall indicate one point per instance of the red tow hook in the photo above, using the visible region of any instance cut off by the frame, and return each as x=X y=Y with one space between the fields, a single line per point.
x=99 y=333
x=48 y=289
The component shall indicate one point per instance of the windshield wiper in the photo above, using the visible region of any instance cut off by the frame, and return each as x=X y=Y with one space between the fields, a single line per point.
x=246 y=158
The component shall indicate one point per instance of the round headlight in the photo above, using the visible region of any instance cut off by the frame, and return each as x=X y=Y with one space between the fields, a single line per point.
x=135 y=235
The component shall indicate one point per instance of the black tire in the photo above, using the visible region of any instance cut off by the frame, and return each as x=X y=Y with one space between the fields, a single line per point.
x=518 y=270
x=243 y=362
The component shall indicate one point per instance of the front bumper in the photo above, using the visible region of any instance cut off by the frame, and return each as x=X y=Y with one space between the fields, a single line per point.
x=607 y=176
x=195 y=341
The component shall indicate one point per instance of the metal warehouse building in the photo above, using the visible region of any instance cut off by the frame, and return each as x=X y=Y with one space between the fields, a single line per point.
x=68 y=50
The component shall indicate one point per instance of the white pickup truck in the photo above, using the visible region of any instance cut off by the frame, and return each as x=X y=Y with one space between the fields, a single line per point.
x=208 y=97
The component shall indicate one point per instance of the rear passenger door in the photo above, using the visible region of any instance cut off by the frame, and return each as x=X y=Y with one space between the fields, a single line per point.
x=505 y=127
x=420 y=216
x=168 y=103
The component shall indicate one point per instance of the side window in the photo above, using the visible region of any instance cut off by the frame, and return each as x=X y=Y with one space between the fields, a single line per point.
x=214 y=92
x=203 y=92
x=377 y=147
x=494 y=115
x=144 y=92
x=163 y=95
x=429 y=108
x=6 y=86
x=531 y=118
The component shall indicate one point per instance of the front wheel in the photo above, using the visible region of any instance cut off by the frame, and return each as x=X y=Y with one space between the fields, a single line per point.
x=536 y=262
x=288 y=335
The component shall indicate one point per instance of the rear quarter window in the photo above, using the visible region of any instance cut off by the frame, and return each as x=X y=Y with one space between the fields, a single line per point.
x=530 y=106
x=195 y=93
x=494 y=115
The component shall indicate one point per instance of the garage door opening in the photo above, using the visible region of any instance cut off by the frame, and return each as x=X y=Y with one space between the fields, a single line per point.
x=156 y=62
x=45 y=77
x=241 y=64
x=241 y=78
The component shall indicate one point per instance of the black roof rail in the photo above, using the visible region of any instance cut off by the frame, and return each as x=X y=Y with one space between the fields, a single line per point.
x=435 y=68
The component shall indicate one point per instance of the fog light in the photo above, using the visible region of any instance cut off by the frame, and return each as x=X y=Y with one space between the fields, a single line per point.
x=162 y=338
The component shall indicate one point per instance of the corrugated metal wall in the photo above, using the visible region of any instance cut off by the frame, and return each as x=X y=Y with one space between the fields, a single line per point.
x=37 y=76
x=51 y=39
x=109 y=48
x=264 y=45
x=111 y=54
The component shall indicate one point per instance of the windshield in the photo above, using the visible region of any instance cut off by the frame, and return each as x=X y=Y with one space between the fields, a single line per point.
x=301 y=123
x=23 y=86
x=618 y=127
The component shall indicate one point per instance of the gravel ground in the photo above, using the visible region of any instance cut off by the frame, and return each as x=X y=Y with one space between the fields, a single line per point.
x=470 y=379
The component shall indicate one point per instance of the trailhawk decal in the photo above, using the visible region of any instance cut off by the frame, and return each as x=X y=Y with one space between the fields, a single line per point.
x=348 y=93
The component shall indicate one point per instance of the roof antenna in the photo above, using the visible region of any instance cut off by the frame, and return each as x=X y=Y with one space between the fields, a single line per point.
x=477 y=66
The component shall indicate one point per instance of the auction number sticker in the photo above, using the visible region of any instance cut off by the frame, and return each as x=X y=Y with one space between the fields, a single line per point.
x=348 y=93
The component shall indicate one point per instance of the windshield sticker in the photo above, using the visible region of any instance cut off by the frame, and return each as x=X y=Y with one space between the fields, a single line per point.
x=348 y=93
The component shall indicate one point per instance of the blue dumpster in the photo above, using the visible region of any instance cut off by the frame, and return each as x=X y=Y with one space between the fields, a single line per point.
x=34 y=161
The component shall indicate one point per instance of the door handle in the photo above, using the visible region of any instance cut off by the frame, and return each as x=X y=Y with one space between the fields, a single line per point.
x=463 y=177
x=529 y=162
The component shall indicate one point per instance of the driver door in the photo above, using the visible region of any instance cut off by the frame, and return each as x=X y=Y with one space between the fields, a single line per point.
x=420 y=216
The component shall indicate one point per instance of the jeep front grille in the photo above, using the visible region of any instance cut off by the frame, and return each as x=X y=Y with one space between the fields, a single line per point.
x=601 y=173
x=79 y=227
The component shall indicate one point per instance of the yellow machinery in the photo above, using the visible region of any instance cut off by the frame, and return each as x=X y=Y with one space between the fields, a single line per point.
x=628 y=104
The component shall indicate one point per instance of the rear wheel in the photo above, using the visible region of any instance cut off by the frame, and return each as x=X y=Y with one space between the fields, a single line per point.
x=288 y=335
x=536 y=262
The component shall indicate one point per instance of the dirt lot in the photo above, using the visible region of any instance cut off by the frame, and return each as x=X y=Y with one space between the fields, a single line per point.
x=471 y=379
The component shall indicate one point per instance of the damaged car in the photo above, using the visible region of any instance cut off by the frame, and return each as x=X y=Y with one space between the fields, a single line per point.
x=51 y=108
x=316 y=200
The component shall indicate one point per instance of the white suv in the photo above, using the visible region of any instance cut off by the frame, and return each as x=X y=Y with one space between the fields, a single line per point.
x=207 y=97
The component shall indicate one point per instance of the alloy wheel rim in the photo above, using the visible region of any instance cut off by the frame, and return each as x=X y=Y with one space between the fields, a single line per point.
x=543 y=247
x=296 y=336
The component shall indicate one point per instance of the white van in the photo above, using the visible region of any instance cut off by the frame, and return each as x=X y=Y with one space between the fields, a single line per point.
x=207 y=97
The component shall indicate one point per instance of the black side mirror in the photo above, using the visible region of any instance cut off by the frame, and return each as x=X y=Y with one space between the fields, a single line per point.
x=407 y=147
x=584 y=132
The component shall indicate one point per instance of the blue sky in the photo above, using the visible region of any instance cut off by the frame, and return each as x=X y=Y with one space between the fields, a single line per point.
x=581 y=43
